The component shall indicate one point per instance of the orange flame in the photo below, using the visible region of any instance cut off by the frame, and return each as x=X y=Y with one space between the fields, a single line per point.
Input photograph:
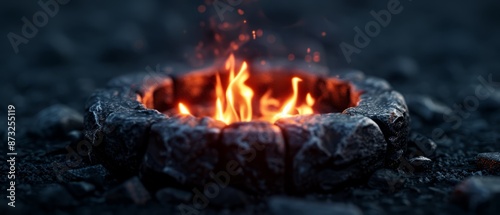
x=234 y=104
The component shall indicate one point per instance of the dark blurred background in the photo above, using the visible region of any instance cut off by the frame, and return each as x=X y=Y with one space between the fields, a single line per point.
x=424 y=48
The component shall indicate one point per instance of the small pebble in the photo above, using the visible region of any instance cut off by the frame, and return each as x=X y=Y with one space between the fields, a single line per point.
x=489 y=161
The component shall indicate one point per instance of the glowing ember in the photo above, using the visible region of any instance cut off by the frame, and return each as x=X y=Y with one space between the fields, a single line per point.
x=234 y=104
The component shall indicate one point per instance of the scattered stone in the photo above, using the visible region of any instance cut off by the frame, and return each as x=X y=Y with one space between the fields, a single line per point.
x=345 y=149
x=427 y=108
x=96 y=173
x=259 y=150
x=479 y=194
x=167 y=196
x=421 y=145
x=181 y=151
x=56 y=121
x=130 y=191
x=489 y=161
x=291 y=206
x=386 y=180
x=80 y=189
x=420 y=163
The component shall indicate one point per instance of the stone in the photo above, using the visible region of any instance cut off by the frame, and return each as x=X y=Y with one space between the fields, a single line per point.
x=420 y=163
x=56 y=121
x=148 y=85
x=259 y=149
x=421 y=145
x=96 y=173
x=292 y=206
x=489 y=161
x=181 y=151
x=130 y=191
x=125 y=139
x=327 y=151
x=479 y=194
x=386 y=180
x=388 y=109
x=117 y=126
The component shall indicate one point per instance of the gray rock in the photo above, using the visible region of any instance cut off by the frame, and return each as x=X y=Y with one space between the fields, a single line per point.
x=421 y=145
x=480 y=194
x=259 y=149
x=420 y=163
x=117 y=125
x=125 y=139
x=386 y=180
x=130 y=191
x=489 y=161
x=291 y=206
x=329 y=150
x=96 y=173
x=388 y=109
x=181 y=151
x=56 y=121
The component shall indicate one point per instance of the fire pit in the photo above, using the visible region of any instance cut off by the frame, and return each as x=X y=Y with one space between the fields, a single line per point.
x=263 y=129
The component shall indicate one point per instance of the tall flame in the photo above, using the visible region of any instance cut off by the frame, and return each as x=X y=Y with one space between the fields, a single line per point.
x=234 y=104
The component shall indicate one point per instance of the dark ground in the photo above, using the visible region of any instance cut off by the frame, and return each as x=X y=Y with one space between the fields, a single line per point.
x=434 y=50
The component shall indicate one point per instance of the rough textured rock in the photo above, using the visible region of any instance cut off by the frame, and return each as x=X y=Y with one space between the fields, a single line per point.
x=420 y=145
x=130 y=191
x=388 y=109
x=480 y=194
x=420 y=163
x=56 y=121
x=125 y=138
x=489 y=161
x=96 y=173
x=291 y=206
x=328 y=150
x=259 y=149
x=117 y=124
x=148 y=86
x=181 y=151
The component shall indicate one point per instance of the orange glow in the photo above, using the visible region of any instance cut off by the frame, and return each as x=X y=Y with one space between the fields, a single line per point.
x=183 y=109
x=234 y=103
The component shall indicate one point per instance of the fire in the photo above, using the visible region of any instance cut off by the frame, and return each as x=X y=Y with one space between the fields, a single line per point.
x=234 y=104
